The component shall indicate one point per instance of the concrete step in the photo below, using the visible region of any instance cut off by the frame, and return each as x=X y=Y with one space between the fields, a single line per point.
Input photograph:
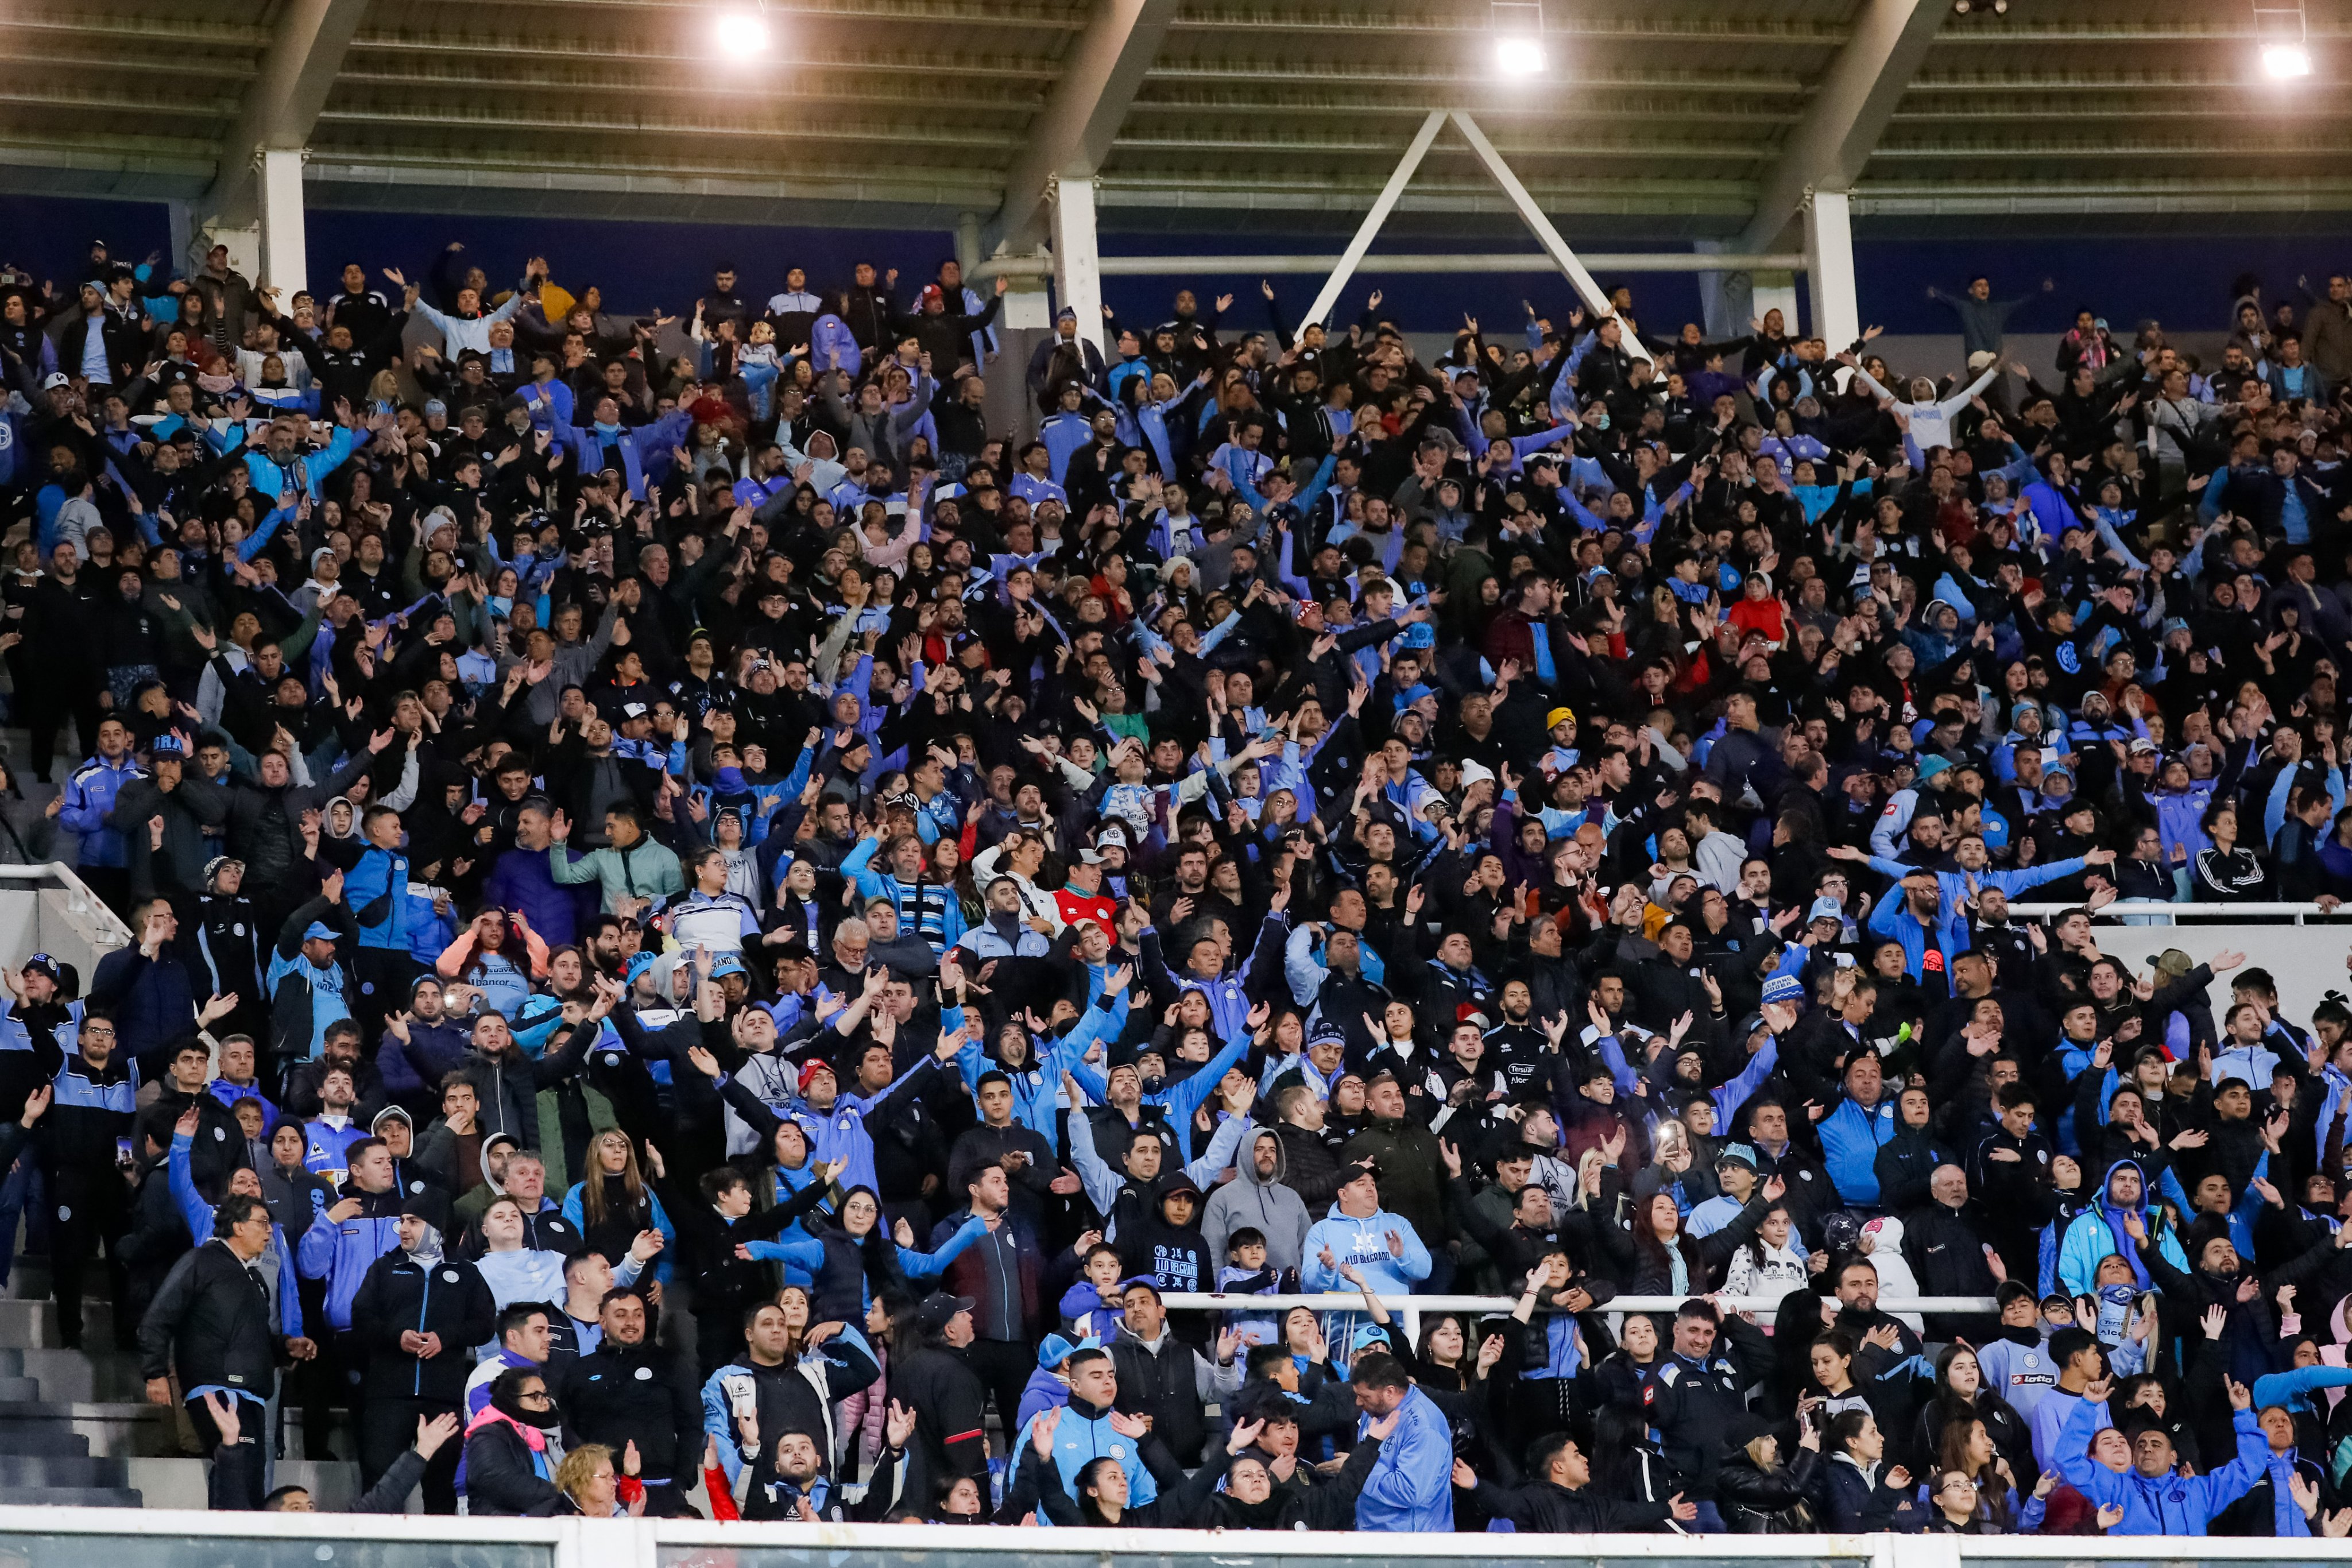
x=80 y=1497
x=42 y=1441
x=81 y=1377
x=20 y=1390
x=112 y=1430
x=30 y=1324
x=18 y=1472
x=180 y=1483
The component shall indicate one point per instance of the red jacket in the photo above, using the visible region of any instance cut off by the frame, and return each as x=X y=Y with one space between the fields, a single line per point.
x=1101 y=908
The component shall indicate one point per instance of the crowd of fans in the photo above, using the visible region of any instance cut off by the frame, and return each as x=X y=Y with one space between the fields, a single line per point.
x=705 y=922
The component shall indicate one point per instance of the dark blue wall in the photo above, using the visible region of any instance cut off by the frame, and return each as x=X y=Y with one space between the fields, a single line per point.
x=49 y=237
x=2181 y=279
x=639 y=266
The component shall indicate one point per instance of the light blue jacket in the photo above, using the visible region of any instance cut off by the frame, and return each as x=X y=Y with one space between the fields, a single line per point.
x=1410 y=1489
x=2161 y=1505
x=89 y=801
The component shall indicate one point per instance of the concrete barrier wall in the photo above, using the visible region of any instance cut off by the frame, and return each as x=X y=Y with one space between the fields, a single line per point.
x=48 y=909
x=2305 y=961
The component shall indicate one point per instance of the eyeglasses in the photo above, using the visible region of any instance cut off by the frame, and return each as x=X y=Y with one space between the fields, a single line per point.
x=534 y=1397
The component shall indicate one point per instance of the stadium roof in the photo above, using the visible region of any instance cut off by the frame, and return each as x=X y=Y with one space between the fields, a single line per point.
x=1677 y=118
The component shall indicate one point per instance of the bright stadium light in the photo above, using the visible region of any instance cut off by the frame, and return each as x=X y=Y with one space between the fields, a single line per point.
x=1519 y=56
x=2283 y=62
x=1517 y=27
x=742 y=34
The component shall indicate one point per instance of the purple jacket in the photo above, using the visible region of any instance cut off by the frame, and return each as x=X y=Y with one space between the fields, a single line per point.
x=521 y=880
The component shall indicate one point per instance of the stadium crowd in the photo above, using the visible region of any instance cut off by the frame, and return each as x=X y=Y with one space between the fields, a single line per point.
x=704 y=922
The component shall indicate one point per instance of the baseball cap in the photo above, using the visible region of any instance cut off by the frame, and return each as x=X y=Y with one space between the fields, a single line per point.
x=1736 y=1155
x=318 y=931
x=810 y=1070
x=1058 y=1349
x=166 y=745
x=1826 y=909
x=940 y=1308
x=55 y=380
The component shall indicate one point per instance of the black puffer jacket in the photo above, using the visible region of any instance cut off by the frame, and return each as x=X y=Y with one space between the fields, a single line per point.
x=448 y=1298
x=1778 y=1502
x=635 y=1393
x=501 y=1475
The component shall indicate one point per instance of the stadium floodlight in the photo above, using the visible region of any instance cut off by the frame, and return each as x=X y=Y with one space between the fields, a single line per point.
x=2282 y=34
x=2283 y=62
x=742 y=34
x=1518 y=37
x=1519 y=56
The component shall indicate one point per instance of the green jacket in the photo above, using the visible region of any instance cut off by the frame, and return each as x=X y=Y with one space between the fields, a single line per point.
x=644 y=869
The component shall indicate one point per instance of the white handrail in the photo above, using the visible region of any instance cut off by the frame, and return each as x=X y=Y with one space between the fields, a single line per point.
x=121 y=1534
x=1352 y=1300
x=2149 y=907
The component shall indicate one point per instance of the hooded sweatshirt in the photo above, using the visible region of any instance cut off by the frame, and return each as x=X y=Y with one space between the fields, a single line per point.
x=1267 y=1204
x=1895 y=1275
x=2101 y=1232
x=1177 y=1257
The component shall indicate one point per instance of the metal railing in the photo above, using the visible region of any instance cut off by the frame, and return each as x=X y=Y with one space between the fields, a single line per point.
x=1408 y=1310
x=2168 y=913
x=48 y=908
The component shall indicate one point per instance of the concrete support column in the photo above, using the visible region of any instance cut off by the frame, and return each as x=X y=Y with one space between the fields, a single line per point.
x=1829 y=269
x=1770 y=291
x=243 y=240
x=285 y=252
x=1077 y=257
x=1723 y=297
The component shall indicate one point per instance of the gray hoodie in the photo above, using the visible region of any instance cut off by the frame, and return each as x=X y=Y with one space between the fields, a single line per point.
x=1264 y=1202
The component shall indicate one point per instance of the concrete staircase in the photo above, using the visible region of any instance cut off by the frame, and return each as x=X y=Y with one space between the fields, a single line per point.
x=76 y=1426
x=68 y=1427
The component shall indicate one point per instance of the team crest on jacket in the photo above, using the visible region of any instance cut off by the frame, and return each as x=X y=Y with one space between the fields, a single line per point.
x=2070 y=659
